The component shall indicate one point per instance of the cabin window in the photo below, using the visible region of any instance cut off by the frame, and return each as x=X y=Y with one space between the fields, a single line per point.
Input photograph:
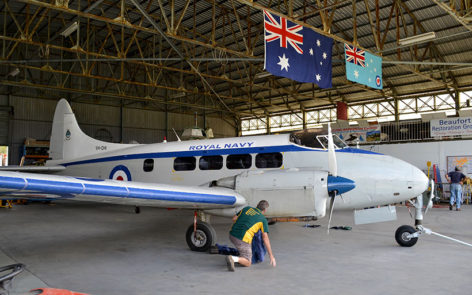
x=148 y=165
x=185 y=163
x=238 y=161
x=210 y=163
x=269 y=160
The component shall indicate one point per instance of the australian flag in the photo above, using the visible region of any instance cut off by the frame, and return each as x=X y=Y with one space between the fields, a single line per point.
x=296 y=52
x=363 y=67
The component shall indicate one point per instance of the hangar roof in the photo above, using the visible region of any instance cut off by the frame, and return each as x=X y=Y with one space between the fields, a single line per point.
x=207 y=56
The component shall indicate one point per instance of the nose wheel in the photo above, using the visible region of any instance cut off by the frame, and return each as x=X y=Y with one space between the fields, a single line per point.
x=407 y=236
x=404 y=236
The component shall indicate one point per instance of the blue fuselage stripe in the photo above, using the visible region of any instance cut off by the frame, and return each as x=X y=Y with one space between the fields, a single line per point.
x=75 y=188
x=195 y=153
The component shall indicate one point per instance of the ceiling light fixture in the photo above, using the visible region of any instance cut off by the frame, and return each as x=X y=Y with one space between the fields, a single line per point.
x=70 y=29
x=262 y=75
x=15 y=72
x=417 y=39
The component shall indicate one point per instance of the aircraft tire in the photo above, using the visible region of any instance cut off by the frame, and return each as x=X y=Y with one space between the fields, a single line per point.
x=202 y=240
x=401 y=236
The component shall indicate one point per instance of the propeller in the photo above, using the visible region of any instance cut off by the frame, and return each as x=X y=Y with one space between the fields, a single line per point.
x=337 y=185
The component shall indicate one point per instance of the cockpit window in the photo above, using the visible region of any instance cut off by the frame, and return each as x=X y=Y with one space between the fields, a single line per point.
x=338 y=142
x=315 y=138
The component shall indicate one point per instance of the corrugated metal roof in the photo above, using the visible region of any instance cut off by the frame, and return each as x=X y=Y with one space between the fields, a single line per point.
x=452 y=44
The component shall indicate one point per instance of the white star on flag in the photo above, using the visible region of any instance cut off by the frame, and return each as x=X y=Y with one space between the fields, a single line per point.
x=311 y=51
x=318 y=77
x=283 y=63
x=318 y=43
x=325 y=55
x=356 y=74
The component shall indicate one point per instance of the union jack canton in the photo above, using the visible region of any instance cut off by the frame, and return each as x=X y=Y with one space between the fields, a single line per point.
x=354 y=55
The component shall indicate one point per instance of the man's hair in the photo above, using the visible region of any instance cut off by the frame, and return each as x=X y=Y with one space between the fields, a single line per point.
x=263 y=205
x=458 y=168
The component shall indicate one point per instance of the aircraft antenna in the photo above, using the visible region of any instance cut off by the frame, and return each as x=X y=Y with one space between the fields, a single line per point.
x=178 y=138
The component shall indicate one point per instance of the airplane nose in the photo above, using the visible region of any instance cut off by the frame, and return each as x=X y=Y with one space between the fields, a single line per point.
x=420 y=181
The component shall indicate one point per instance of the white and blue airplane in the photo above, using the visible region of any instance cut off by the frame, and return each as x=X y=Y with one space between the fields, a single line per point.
x=297 y=175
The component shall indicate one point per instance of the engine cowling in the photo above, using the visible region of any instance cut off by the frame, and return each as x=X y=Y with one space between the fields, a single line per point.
x=290 y=193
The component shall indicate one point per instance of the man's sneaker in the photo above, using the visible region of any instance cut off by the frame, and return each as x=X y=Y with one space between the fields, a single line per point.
x=458 y=209
x=450 y=207
x=214 y=250
x=230 y=263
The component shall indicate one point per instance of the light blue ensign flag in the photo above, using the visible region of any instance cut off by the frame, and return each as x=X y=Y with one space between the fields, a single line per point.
x=363 y=67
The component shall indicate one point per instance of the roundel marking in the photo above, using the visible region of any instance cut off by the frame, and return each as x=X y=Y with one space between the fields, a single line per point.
x=121 y=173
x=377 y=81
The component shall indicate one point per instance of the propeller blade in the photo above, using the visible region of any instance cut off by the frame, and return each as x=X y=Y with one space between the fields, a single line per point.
x=429 y=204
x=331 y=208
x=332 y=164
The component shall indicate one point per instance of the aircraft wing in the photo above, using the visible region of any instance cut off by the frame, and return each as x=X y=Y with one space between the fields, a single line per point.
x=32 y=185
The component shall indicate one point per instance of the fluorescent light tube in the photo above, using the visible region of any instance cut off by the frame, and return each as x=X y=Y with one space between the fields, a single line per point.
x=70 y=29
x=417 y=39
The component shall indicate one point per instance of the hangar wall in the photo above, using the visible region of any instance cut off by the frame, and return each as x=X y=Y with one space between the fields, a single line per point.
x=32 y=117
x=420 y=153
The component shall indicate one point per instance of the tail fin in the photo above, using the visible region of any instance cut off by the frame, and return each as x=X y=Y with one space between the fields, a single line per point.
x=68 y=141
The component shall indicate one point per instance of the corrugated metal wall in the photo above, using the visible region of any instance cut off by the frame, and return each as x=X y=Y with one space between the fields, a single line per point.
x=4 y=120
x=32 y=117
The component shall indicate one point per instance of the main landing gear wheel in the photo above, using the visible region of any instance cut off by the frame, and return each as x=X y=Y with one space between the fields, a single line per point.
x=202 y=239
x=402 y=236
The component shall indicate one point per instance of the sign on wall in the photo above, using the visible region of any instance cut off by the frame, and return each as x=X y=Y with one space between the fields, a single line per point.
x=451 y=126
x=359 y=134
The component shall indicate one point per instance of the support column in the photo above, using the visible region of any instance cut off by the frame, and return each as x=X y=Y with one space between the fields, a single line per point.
x=341 y=110
x=267 y=124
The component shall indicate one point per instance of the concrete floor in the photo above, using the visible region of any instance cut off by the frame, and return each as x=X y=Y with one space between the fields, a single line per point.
x=106 y=249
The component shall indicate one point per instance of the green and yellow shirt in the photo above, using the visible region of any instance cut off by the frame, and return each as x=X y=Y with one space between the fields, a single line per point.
x=250 y=221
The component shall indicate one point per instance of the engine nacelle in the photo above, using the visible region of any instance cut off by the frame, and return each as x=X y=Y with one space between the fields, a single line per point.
x=290 y=193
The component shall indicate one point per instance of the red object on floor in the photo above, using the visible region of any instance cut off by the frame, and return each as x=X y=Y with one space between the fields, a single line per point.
x=52 y=291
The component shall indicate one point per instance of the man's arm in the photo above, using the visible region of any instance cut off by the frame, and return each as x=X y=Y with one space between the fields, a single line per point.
x=447 y=177
x=235 y=217
x=463 y=177
x=265 y=239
